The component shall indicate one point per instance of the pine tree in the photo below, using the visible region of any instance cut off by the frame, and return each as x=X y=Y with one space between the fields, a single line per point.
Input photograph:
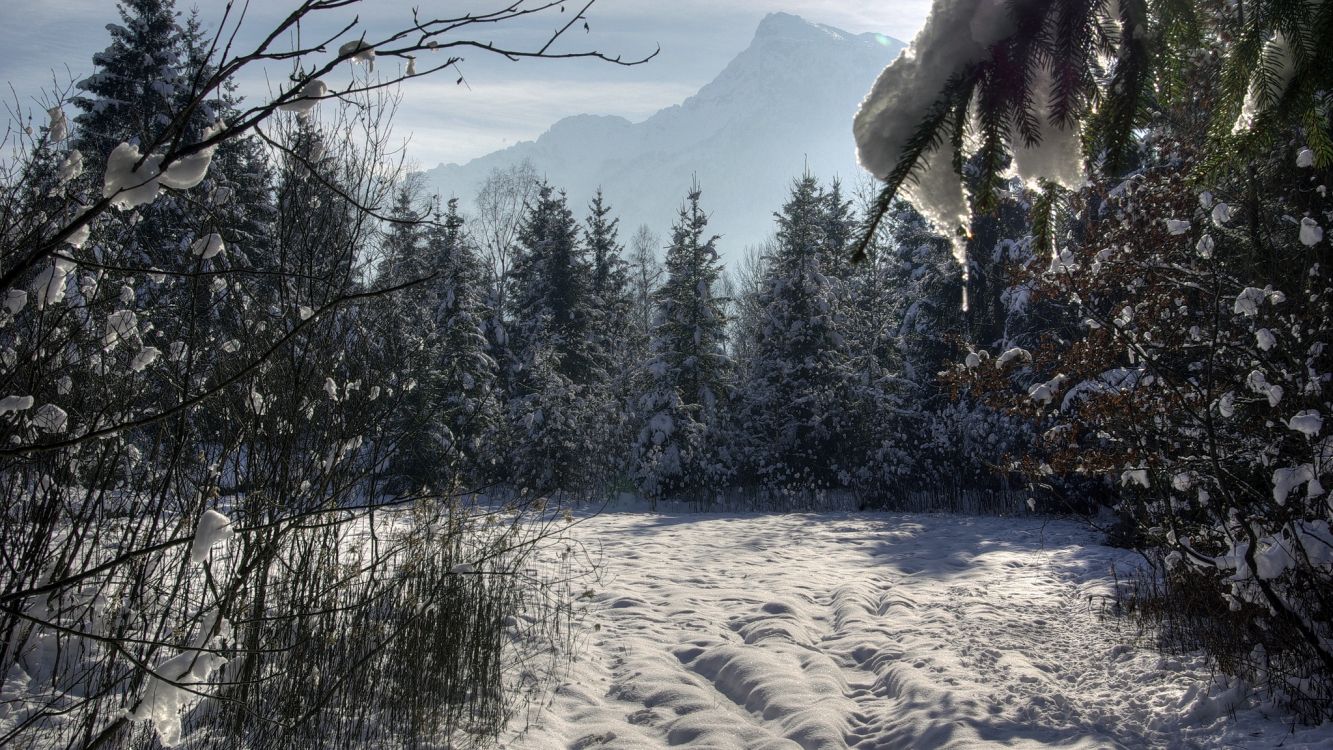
x=132 y=97
x=682 y=447
x=791 y=422
x=465 y=387
x=839 y=225
x=551 y=297
x=884 y=415
x=612 y=304
x=435 y=327
x=133 y=94
x=561 y=420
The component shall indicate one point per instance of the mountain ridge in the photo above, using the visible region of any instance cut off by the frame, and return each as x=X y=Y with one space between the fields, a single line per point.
x=782 y=105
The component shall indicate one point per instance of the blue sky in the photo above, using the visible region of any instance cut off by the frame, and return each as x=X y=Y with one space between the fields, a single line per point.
x=48 y=43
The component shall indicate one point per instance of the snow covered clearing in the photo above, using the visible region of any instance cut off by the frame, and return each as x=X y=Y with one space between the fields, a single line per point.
x=877 y=631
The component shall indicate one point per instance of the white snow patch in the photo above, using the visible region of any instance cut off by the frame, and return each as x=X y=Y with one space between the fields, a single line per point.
x=1311 y=233
x=189 y=171
x=71 y=167
x=208 y=246
x=1044 y=392
x=162 y=701
x=120 y=325
x=50 y=418
x=255 y=402
x=1205 y=246
x=907 y=89
x=1308 y=422
x=309 y=98
x=129 y=183
x=1286 y=480
x=837 y=630
x=15 y=301
x=1135 y=476
x=10 y=404
x=58 y=124
x=145 y=358
x=213 y=528
x=49 y=285
x=1277 y=55
x=360 y=51
x=1058 y=154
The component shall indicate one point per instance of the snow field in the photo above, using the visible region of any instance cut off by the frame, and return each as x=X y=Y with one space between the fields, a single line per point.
x=877 y=631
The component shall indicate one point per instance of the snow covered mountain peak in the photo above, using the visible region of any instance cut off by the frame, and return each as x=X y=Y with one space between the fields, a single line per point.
x=786 y=26
x=783 y=103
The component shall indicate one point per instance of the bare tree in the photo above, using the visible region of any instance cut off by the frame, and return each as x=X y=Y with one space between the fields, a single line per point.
x=645 y=276
x=501 y=202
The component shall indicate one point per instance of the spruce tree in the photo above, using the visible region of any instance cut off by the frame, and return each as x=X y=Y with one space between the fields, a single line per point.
x=792 y=423
x=682 y=447
x=611 y=301
x=463 y=388
x=559 y=418
x=551 y=297
x=133 y=92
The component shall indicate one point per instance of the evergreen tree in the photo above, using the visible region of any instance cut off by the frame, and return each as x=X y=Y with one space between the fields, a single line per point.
x=612 y=303
x=885 y=415
x=437 y=342
x=839 y=225
x=560 y=418
x=551 y=296
x=132 y=94
x=791 y=422
x=682 y=447
x=132 y=97
x=464 y=387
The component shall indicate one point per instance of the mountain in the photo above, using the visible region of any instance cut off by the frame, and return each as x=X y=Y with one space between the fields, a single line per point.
x=783 y=104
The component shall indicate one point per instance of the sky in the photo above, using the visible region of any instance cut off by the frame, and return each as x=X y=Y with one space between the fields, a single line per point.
x=47 y=44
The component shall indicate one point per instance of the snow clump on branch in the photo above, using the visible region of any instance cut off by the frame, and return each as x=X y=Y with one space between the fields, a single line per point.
x=906 y=92
x=908 y=89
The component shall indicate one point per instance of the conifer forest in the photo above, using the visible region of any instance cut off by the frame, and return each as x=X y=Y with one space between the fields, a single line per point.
x=1010 y=437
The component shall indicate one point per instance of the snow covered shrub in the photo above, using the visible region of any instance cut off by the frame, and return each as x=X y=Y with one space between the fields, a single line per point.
x=1190 y=367
x=1181 y=151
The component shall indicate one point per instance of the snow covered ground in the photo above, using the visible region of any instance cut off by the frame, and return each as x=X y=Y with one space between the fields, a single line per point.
x=877 y=631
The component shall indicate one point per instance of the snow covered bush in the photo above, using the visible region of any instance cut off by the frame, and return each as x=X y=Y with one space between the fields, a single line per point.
x=1177 y=280
x=1190 y=368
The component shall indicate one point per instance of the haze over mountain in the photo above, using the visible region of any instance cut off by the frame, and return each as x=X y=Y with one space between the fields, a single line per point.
x=783 y=104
